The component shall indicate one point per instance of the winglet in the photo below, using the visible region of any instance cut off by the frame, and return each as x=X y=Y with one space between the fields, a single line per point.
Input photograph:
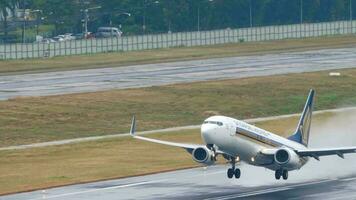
x=133 y=126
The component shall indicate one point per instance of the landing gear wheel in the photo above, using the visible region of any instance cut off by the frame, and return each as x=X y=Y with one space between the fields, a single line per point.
x=285 y=174
x=278 y=174
x=230 y=173
x=237 y=173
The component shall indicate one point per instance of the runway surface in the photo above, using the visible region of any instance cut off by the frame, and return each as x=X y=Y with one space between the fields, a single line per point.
x=52 y=83
x=208 y=184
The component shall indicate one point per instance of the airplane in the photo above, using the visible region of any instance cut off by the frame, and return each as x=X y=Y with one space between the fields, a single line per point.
x=239 y=141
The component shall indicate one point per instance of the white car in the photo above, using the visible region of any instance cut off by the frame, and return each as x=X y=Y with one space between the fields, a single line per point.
x=58 y=38
x=69 y=36
x=105 y=32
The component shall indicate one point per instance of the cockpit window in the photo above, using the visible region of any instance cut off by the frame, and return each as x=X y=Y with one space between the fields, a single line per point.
x=213 y=122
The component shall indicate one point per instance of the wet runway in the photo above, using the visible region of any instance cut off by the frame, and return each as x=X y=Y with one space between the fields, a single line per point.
x=208 y=184
x=52 y=83
x=330 y=178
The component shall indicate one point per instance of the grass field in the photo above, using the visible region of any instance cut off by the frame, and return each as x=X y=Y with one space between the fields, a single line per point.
x=39 y=119
x=172 y=54
x=23 y=170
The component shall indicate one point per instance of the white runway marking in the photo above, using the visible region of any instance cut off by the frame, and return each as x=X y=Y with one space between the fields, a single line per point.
x=349 y=179
x=248 y=194
x=119 y=186
x=267 y=191
x=95 y=190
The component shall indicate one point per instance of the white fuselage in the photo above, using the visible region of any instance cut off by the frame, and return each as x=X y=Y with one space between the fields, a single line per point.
x=250 y=144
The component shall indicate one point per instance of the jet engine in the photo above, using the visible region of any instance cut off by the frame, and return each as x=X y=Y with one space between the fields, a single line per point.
x=286 y=157
x=203 y=155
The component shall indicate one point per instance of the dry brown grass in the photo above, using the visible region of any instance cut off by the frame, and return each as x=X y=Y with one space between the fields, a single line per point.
x=173 y=54
x=46 y=167
x=39 y=119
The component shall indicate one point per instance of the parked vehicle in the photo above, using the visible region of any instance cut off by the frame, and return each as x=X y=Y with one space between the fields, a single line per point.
x=58 y=38
x=45 y=40
x=69 y=36
x=105 y=32
x=79 y=36
x=89 y=35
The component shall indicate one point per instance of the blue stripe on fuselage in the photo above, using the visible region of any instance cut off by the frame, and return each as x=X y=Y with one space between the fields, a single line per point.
x=259 y=137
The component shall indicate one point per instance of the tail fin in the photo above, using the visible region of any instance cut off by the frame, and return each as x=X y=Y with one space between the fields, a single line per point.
x=301 y=134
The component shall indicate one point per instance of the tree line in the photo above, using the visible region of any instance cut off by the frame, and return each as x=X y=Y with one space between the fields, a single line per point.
x=157 y=16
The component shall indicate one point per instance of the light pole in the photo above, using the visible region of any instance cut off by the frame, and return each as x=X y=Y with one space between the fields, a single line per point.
x=351 y=10
x=123 y=13
x=301 y=12
x=350 y=16
x=198 y=22
x=37 y=19
x=24 y=29
x=198 y=17
x=250 y=13
x=118 y=14
x=27 y=17
x=86 y=18
x=145 y=4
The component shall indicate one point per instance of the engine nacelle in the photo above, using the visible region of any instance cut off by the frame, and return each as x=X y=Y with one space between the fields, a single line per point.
x=203 y=155
x=287 y=158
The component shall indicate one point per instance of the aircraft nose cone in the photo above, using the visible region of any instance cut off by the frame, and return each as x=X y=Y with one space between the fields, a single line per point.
x=207 y=132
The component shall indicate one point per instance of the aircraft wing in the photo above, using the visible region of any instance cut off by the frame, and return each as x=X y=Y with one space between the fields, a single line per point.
x=316 y=153
x=188 y=147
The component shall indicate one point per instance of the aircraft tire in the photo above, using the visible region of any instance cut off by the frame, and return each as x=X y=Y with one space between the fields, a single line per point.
x=237 y=173
x=278 y=174
x=285 y=174
x=230 y=173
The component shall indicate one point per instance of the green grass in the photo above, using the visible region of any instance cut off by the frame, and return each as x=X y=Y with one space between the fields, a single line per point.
x=39 y=119
x=172 y=54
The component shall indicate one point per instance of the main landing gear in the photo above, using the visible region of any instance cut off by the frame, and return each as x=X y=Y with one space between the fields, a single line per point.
x=233 y=171
x=281 y=172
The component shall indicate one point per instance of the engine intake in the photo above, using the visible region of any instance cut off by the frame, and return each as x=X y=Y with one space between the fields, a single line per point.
x=282 y=156
x=203 y=155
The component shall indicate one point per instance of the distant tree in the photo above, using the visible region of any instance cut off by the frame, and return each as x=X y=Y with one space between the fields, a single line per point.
x=7 y=7
x=65 y=15
x=179 y=15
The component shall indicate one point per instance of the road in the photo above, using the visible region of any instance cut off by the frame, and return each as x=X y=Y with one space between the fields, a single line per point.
x=52 y=83
x=209 y=184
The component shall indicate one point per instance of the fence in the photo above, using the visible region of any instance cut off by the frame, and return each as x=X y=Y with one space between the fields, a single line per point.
x=183 y=39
